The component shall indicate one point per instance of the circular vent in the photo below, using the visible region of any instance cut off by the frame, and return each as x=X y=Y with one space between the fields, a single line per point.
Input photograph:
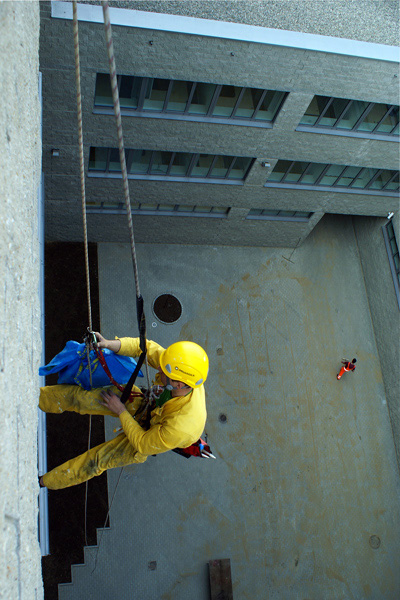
x=167 y=308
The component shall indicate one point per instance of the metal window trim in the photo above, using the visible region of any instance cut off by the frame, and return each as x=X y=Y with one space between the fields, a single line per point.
x=373 y=178
x=129 y=158
x=327 y=105
x=359 y=173
x=322 y=174
x=304 y=172
x=288 y=170
x=395 y=174
x=251 y=163
x=190 y=98
x=234 y=158
x=388 y=137
x=214 y=99
x=342 y=174
x=280 y=105
x=167 y=95
x=170 y=179
x=387 y=113
x=182 y=116
x=364 y=114
x=238 y=101
x=213 y=161
x=173 y=154
x=142 y=93
x=156 y=213
x=278 y=218
x=192 y=162
x=342 y=114
x=259 y=103
x=161 y=163
x=393 y=270
x=326 y=188
x=107 y=167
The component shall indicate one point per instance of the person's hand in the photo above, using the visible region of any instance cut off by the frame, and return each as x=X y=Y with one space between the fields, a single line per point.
x=101 y=341
x=113 y=345
x=112 y=402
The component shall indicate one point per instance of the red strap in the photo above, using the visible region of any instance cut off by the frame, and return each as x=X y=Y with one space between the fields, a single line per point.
x=103 y=363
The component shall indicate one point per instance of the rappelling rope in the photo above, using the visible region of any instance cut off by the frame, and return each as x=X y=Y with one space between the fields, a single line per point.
x=83 y=196
x=117 y=112
x=81 y=161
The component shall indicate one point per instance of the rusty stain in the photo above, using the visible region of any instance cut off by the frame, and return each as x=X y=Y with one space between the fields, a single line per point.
x=333 y=575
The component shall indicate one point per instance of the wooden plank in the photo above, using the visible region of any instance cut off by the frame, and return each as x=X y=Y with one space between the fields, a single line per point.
x=220 y=579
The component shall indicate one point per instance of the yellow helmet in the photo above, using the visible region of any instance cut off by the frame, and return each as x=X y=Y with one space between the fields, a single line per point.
x=186 y=362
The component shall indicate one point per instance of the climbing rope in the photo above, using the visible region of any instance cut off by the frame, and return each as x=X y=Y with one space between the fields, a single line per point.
x=139 y=299
x=117 y=112
x=81 y=161
x=83 y=197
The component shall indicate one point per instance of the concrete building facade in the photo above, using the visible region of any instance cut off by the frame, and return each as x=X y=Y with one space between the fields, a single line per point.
x=291 y=171
x=20 y=317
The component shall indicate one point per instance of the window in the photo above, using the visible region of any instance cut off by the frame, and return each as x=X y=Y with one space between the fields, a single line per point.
x=193 y=101
x=362 y=180
x=351 y=117
x=154 y=209
x=157 y=164
x=393 y=254
x=279 y=215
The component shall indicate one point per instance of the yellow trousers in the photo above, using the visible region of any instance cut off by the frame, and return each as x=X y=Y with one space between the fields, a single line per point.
x=117 y=452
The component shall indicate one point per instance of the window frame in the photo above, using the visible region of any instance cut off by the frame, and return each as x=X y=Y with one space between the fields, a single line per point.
x=184 y=115
x=193 y=159
x=335 y=187
x=353 y=132
x=278 y=217
x=119 y=209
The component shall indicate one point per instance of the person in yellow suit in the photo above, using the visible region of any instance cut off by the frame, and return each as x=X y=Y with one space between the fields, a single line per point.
x=177 y=421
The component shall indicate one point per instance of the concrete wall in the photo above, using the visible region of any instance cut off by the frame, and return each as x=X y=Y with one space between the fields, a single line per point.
x=20 y=166
x=364 y=20
x=384 y=309
x=196 y=58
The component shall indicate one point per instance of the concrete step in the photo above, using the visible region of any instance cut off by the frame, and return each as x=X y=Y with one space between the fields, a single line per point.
x=83 y=576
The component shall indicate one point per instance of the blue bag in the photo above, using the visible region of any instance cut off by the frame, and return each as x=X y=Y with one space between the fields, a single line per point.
x=71 y=364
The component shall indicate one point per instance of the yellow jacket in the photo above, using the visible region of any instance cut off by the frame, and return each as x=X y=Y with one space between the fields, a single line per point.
x=177 y=424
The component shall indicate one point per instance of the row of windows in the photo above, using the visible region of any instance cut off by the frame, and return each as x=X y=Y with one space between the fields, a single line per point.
x=147 y=96
x=216 y=167
x=188 y=98
x=149 y=208
x=337 y=176
x=157 y=163
x=352 y=115
x=185 y=210
x=298 y=215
